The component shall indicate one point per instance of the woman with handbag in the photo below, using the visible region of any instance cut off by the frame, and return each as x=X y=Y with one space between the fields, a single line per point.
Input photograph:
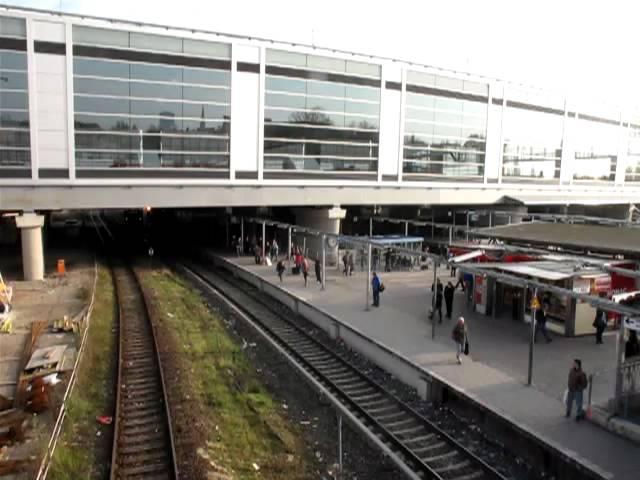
x=459 y=335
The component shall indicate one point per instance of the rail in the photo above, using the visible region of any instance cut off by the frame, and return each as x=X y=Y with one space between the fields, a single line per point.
x=143 y=438
x=423 y=447
x=426 y=382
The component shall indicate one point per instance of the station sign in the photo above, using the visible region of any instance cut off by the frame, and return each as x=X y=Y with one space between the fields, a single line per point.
x=632 y=323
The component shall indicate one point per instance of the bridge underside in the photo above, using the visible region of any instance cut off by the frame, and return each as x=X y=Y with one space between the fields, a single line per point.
x=26 y=198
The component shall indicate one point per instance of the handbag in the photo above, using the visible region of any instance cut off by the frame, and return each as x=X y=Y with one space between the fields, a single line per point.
x=382 y=287
x=466 y=347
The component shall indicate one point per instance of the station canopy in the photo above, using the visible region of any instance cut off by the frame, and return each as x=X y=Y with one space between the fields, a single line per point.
x=595 y=238
x=544 y=270
x=391 y=240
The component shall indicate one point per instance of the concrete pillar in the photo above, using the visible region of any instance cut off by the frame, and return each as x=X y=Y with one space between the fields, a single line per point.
x=30 y=226
x=324 y=220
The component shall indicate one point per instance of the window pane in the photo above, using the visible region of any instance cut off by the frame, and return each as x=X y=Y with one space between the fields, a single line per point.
x=362 y=93
x=162 y=73
x=206 y=94
x=13 y=60
x=102 y=87
x=14 y=138
x=14 y=119
x=13 y=100
x=106 y=141
x=100 y=36
x=100 y=68
x=13 y=80
x=107 y=159
x=302 y=132
x=289 y=101
x=156 y=90
x=145 y=41
x=281 y=57
x=316 y=62
x=206 y=77
x=366 y=69
x=329 y=104
x=363 y=108
x=206 y=49
x=97 y=122
x=13 y=27
x=283 y=84
x=14 y=158
x=328 y=89
x=160 y=108
x=206 y=111
x=101 y=105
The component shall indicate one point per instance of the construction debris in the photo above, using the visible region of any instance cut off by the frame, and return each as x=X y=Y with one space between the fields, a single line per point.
x=48 y=358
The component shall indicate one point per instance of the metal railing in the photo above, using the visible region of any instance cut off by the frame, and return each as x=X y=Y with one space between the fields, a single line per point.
x=602 y=392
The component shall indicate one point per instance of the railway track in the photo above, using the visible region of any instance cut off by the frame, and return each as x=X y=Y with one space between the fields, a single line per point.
x=143 y=443
x=419 y=447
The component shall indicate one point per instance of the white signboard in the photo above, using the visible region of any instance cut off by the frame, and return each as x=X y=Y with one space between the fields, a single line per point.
x=582 y=285
x=632 y=323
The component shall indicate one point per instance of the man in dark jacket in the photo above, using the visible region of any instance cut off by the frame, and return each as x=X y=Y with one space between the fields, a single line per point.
x=437 y=291
x=375 y=288
x=600 y=323
x=576 y=384
x=318 y=271
x=541 y=323
x=448 y=298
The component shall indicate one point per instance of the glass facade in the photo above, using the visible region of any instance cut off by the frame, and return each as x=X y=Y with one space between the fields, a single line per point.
x=445 y=127
x=321 y=114
x=14 y=100
x=632 y=170
x=532 y=144
x=150 y=109
x=596 y=150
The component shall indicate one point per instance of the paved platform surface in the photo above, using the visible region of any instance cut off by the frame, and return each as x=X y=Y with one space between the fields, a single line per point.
x=495 y=372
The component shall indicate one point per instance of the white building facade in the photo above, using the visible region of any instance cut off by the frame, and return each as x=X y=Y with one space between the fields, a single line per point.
x=104 y=113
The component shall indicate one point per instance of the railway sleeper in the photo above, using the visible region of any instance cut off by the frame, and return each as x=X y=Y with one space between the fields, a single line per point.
x=453 y=466
x=142 y=389
x=358 y=390
x=410 y=430
x=440 y=457
x=142 y=448
x=154 y=420
x=150 y=437
x=145 y=469
x=151 y=391
x=134 y=411
x=471 y=476
x=140 y=429
x=419 y=438
x=388 y=416
x=425 y=448
x=405 y=421
x=150 y=457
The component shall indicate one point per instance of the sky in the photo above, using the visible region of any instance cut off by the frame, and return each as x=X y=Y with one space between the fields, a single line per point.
x=587 y=49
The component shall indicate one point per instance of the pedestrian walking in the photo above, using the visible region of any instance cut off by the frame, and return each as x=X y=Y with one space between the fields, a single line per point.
x=318 y=272
x=576 y=384
x=448 y=298
x=375 y=288
x=350 y=263
x=600 y=323
x=387 y=260
x=305 y=270
x=541 y=323
x=459 y=336
x=345 y=262
x=460 y=280
x=453 y=265
x=280 y=268
x=275 y=250
x=437 y=290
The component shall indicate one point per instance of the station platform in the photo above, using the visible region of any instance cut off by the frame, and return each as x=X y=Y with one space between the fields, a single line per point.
x=495 y=372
